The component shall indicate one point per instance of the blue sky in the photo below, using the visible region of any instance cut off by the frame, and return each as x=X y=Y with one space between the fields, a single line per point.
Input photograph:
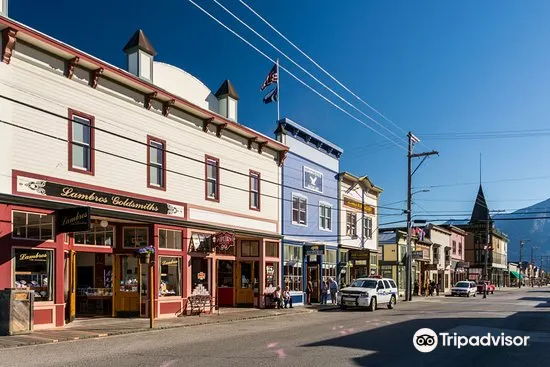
x=433 y=67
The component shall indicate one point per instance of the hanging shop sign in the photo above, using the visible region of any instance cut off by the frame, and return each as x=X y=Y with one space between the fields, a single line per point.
x=200 y=242
x=357 y=205
x=314 y=250
x=359 y=255
x=34 y=186
x=417 y=255
x=224 y=240
x=201 y=276
x=73 y=219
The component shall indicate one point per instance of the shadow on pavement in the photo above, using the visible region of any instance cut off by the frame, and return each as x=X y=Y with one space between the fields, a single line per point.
x=392 y=345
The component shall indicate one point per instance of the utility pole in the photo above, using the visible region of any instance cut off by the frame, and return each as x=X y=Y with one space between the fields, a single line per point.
x=532 y=266
x=521 y=242
x=412 y=140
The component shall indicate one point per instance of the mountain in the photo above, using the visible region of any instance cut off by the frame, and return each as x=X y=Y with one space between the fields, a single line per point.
x=535 y=228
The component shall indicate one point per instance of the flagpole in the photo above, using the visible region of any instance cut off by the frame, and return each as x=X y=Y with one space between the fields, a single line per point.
x=278 y=91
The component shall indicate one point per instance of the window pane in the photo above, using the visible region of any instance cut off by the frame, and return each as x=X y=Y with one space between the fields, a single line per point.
x=211 y=169
x=254 y=183
x=80 y=156
x=33 y=226
x=162 y=238
x=155 y=175
x=141 y=237
x=20 y=224
x=81 y=130
x=155 y=152
x=33 y=271
x=46 y=224
x=302 y=217
x=177 y=240
x=211 y=189
x=170 y=276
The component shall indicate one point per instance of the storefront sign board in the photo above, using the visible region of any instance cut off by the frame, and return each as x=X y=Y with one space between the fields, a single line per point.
x=357 y=205
x=314 y=250
x=73 y=219
x=27 y=185
x=359 y=255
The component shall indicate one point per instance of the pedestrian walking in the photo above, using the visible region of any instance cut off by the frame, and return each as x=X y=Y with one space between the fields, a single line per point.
x=324 y=292
x=309 y=290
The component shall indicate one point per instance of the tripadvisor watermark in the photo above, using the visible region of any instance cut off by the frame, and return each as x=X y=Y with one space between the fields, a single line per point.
x=426 y=340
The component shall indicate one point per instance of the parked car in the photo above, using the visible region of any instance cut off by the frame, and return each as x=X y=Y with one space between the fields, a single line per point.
x=490 y=286
x=464 y=288
x=370 y=293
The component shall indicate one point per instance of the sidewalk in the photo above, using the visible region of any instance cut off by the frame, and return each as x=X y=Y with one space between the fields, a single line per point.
x=101 y=327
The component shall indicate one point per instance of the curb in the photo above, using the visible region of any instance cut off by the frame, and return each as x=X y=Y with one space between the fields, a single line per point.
x=145 y=330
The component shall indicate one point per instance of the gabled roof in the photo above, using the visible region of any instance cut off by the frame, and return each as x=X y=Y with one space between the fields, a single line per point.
x=226 y=89
x=363 y=181
x=141 y=42
x=480 y=213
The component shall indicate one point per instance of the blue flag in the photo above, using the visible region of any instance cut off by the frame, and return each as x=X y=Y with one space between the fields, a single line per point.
x=272 y=96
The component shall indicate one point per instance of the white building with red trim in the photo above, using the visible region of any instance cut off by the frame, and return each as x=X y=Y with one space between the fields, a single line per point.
x=158 y=158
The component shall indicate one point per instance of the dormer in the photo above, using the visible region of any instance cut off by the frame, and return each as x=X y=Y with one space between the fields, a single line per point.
x=227 y=100
x=4 y=8
x=140 y=55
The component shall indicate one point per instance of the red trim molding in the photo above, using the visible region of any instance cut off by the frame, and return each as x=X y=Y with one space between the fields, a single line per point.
x=90 y=118
x=251 y=175
x=8 y=44
x=26 y=32
x=163 y=142
x=206 y=159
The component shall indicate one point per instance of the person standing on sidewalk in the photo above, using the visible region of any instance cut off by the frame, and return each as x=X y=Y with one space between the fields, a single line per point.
x=333 y=287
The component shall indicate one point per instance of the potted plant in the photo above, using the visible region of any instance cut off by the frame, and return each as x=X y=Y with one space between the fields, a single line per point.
x=144 y=254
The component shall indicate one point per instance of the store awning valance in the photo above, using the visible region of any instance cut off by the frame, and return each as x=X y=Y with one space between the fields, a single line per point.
x=516 y=275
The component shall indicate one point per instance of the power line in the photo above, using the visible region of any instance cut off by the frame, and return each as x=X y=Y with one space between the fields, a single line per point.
x=319 y=66
x=519 y=179
x=167 y=170
x=294 y=76
x=402 y=139
x=65 y=118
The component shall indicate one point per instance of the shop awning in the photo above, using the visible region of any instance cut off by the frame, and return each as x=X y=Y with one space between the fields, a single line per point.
x=516 y=275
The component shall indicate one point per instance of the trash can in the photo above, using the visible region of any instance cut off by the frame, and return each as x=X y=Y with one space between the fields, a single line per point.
x=16 y=311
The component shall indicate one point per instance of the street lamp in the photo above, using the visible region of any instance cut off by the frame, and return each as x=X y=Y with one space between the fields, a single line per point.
x=532 y=264
x=521 y=243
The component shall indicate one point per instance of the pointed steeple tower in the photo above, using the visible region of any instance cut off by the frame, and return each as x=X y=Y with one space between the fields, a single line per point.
x=481 y=211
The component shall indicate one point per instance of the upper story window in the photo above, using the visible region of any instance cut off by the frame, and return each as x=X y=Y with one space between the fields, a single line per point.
x=454 y=247
x=299 y=210
x=351 y=224
x=460 y=249
x=156 y=162
x=81 y=142
x=325 y=216
x=212 y=179
x=32 y=226
x=254 y=190
x=367 y=227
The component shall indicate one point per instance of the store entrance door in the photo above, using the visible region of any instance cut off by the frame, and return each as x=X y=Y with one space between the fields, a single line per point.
x=313 y=272
x=126 y=297
x=245 y=281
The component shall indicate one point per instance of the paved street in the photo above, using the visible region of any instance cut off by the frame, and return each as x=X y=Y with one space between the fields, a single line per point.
x=327 y=338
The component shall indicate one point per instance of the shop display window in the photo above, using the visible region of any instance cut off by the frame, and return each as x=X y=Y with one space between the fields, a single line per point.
x=225 y=274
x=170 y=239
x=98 y=236
x=129 y=274
x=272 y=274
x=170 y=276
x=32 y=226
x=33 y=271
x=329 y=265
x=272 y=249
x=199 y=272
x=136 y=236
x=250 y=248
x=292 y=267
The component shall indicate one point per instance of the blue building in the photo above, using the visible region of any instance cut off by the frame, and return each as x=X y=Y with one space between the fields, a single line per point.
x=309 y=218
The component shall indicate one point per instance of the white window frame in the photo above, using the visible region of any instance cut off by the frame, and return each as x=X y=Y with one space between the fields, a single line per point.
x=215 y=163
x=353 y=226
x=366 y=220
x=79 y=120
x=154 y=144
x=323 y=204
x=15 y=237
x=254 y=193
x=171 y=230
x=306 y=168
x=302 y=197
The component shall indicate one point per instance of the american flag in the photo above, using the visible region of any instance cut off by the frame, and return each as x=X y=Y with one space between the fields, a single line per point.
x=272 y=77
